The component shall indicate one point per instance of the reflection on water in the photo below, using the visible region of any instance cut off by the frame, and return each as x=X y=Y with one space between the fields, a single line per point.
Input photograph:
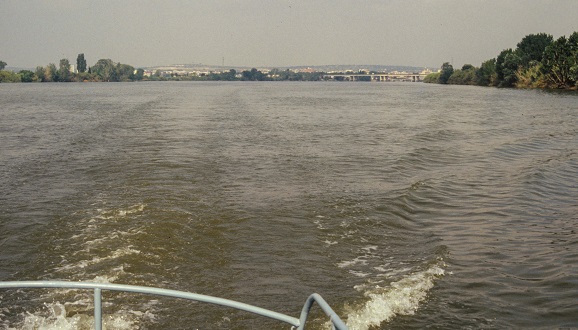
x=403 y=205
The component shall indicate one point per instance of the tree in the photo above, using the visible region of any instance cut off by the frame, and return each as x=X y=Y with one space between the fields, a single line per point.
x=214 y=76
x=531 y=48
x=40 y=74
x=139 y=74
x=81 y=63
x=446 y=73
x=530 y=77
x=8 y=76
x=486 y=74
x=106 y=70
x=231 y=75
x=124 y=72
x=253 y=75
x=432 y=78
x=560 y=62
x=573 y=41
x=3 y=65
x=64 y=70
x=506 y=67
x=26 y=76
x=500 y=64
x=465 y=76
x=51 y=73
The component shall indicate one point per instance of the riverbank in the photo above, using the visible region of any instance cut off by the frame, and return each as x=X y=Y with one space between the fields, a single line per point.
x=538 y=61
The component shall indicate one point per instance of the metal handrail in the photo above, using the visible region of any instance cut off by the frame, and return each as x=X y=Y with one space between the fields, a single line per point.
x=336 y=322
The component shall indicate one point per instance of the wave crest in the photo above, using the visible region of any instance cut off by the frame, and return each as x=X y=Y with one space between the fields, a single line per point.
x=399 y=298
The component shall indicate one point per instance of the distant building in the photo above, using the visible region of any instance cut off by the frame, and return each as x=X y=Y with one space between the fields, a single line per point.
x=305 y=70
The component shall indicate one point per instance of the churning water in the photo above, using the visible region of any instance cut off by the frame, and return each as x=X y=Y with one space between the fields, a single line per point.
x=404 y=205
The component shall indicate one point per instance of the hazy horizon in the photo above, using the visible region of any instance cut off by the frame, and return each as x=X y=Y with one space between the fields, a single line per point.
x=259 y=33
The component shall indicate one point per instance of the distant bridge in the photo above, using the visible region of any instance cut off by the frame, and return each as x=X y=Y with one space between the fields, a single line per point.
x=413 y=77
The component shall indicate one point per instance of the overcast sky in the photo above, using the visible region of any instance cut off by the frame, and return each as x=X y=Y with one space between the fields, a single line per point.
x=265 y=33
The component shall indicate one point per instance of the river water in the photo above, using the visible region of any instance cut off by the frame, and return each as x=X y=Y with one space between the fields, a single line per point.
x=405 y=205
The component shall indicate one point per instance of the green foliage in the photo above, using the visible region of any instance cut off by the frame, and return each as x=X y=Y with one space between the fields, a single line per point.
x=506 y=67
x=537 y=62
x=253 y=75
x=432 y=78
x=27 y=76
x=81 y=63
x=463 y=77
x=560 y=62
x=446 y=73
x=124 y=72
x=277 y=74
x=530 y=77
x=8 y=76
x=64 y=73
x=3 y=65
x=573 y=41
x=51 y=72
x=139 y=74
x=486 y=74
x=84 y=76
x=40 y=74
x=105 y=69
x=531 y=48
x=230 y=76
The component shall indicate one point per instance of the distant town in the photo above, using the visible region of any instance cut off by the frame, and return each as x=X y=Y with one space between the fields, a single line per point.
x=329 y=72
x=334 y=72
x=106 y=70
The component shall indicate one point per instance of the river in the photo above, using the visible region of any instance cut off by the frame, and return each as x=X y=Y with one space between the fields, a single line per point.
x=405 y=205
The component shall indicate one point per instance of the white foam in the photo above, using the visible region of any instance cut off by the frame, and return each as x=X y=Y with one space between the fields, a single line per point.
x=369 y=248
x=319 y=224
x=104 y=279
x=57 y=319
x=105 y=214
x=383 y=268
x=124 y=251
x=358 y=273
x=361 y=260
x=55 y=315
x=399 y=298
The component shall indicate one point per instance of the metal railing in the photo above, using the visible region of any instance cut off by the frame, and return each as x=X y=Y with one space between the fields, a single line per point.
x=299 y=323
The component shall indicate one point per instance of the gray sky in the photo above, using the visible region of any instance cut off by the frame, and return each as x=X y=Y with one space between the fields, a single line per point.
x=279 y=33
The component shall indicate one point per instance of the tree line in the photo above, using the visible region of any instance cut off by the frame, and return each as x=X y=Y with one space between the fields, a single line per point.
x=245 y=75
x=108 y=70
x=103 y=70
x=538 y=61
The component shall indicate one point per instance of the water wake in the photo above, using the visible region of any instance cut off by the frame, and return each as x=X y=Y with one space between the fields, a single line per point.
x=399 y=298
x=57 y=318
